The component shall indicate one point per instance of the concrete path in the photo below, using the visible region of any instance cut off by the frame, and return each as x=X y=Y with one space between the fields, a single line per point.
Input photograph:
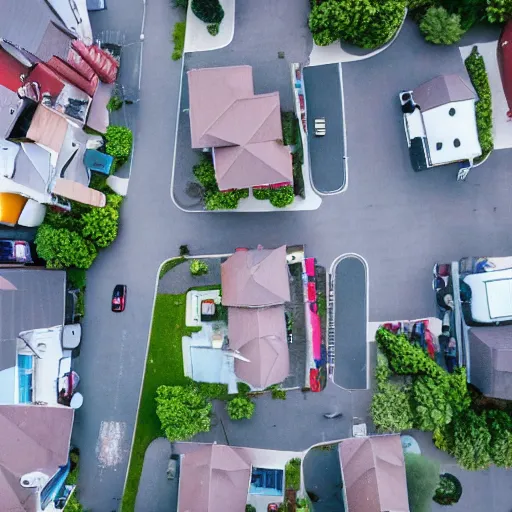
x=324 y=99
x=156 y=491
x=351 y=317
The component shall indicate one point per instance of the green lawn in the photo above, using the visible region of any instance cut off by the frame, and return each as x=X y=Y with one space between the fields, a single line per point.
x=164 y=366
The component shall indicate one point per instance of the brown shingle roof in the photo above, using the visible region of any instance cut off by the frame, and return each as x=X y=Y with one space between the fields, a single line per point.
x=374 y=474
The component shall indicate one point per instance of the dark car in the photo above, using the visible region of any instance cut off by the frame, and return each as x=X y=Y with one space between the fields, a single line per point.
x=15 y=251
x=119 y=298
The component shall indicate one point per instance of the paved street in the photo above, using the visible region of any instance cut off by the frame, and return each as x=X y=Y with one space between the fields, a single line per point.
x=350 y=316
x=399 y=221
x=323 y=98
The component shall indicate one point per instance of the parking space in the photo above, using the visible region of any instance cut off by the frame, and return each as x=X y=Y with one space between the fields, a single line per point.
x=324 y=100
x=350 y=317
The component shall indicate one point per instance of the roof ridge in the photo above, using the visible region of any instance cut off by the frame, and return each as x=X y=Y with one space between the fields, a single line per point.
x=205 y=132
x=265 y=119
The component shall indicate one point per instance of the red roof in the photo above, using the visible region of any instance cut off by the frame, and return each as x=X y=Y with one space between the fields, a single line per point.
x=104 y=64
x=47 y=79
x=68 y=73
x=10 y=71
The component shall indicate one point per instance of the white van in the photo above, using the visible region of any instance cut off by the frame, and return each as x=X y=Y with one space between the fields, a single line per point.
x=491 y=296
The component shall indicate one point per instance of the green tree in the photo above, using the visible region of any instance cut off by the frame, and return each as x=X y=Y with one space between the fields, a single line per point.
x=471 y=440
x=364 y=23
x=422 y=481
x=391 y=408
x=100 y=224
x=76 y=278
x=119 y=142
x=183 y=412
x=499 y=11
x=240 y=407
x=62 y=248
x=209 y=11
x=500 y=428
x=198 y=268
x=440 y=27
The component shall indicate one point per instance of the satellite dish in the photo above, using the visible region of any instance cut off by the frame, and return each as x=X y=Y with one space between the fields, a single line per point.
x=76 y=401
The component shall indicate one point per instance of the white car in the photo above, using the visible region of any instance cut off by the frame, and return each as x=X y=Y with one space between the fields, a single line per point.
x=320 y=126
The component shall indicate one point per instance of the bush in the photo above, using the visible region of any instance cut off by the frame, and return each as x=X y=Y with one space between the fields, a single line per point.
x=250 y=508
x=184 y=250
x=61 y=248
x=198 y=268
x=499 y=11
x=100 y=225
x=119 y=143
x=213 y=29
x=261 y=193
x=364 y=23
x=240 y=408
x=478 y=75
x=282 y=196
x=292 y=474
x=391 y=409
x=204 y=173
x=213 y=391
x=449 y=490
x=382 y=371
x=209 y=11
x=178 y=38
x=181 y=3
x=500 y=428
x=422 y=481
x=298 y=177
x=183 y=412
x=225 y=200
x=288 y=122
x=76 y=278
x=243 y=388
x=440 y=27
x=114 y=103
x=277 y=392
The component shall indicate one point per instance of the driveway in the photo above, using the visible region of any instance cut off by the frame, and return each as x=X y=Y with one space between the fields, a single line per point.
x=350 y=317
x=324 y=99
x=401 y=222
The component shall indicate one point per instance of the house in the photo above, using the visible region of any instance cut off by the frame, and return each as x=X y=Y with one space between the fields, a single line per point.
x=34 y=457
x=255 y=286
x=440 y=122
x=216 y=477
x=35 y=345
x=242 y=129
x=504 y=54
x=490 y=353
x=373 y=470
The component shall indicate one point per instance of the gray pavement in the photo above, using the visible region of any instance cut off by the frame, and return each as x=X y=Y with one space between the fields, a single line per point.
x=179 y=279
x=156 y=492
x=323 y=99
x=401 y=222
x=350 y=317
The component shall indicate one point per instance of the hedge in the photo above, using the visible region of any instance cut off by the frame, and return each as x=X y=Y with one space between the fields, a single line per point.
x=475 y=66
x=209 y=11
x=178 y=38
x=288 y=122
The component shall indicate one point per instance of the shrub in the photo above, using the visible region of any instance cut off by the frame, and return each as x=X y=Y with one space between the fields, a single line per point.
x=277 y=392
x=181 y=3
x=499 y=11
x=382 y=371
x=183 y=412
x=250 y=508
x=209 y=11
x=62 y=248
x=198 y=268
x=422 y=481
x=282 y=196
x=471 y=441
x=288 y=121
x=213 y=29
x=440 y=27
x=292 y=474
x=213 y=391
x=449 y=490
x=178 y=38
x=119 y=143
x=261 y=193
x=364 y=23
x=76 y=278
x=100 y=224
x=391 y=409
x=204 y=173
x=184 y=250
x=298 y=177
x=243 y=388
x=478 y=75
x=240 y=408
x=114 y=103
x=500 y=428
x=225 y=200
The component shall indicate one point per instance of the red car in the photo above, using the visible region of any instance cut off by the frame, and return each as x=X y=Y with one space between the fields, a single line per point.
x=272 y=507
x=119 y=298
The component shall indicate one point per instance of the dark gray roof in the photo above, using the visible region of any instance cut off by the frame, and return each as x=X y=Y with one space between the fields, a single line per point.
x=37 y=302
x=32 y=25
x=442 y=90
x=490 y=350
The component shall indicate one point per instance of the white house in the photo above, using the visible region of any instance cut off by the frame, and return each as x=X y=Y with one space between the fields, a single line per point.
x=440 y=122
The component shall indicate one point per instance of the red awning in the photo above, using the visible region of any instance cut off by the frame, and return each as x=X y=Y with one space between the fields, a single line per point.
x=103 y=64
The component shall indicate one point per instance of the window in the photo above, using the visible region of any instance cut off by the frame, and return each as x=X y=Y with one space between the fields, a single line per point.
x=267 y=481
x=456 y=143
x=451 y=112
x=25 y=363
x=439 y=146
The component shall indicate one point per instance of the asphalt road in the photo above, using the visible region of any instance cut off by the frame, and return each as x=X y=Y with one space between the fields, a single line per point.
x=401 y=222
x=323 y=99
x=350 y=317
